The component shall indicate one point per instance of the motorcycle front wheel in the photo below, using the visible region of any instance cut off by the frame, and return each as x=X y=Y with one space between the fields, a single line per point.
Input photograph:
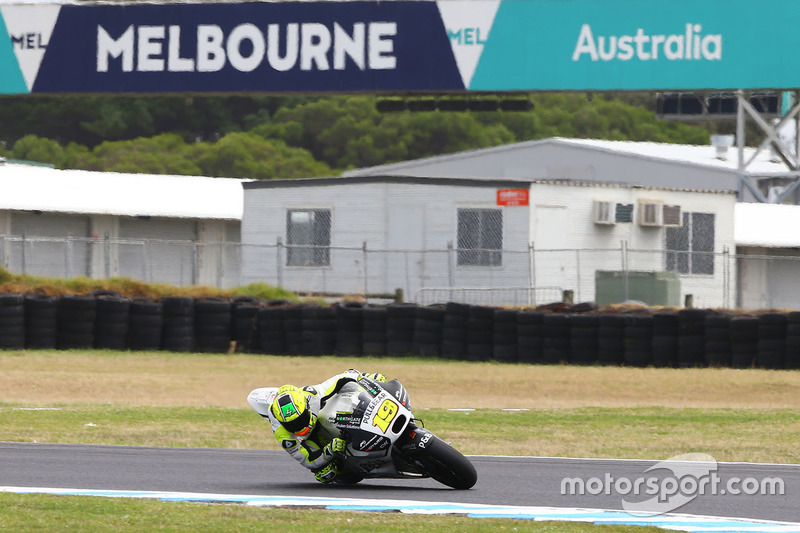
x=446 y=465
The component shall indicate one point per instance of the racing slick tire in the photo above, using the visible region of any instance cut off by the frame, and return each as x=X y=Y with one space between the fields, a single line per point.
x=446 y=465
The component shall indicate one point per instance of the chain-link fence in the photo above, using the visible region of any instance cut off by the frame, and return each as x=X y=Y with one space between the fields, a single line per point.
x=512 y=277
x=491 y=296
x=179 y=263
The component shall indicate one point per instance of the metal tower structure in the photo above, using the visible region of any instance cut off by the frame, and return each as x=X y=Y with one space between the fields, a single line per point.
x=785 y=183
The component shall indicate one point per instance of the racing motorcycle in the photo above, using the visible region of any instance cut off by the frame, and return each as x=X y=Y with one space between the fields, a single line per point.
x=383 y=438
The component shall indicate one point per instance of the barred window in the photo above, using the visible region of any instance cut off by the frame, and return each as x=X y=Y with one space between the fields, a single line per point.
x=480 y=237
x=308 y=237
x=690 y=247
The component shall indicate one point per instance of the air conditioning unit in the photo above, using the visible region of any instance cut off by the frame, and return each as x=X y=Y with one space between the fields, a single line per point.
x=671 y=215
x=604 y=212
x=650 y=214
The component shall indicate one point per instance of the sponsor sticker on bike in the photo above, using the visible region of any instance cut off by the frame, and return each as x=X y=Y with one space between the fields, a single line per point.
x=347 y=420
x=385 y=414
x=424 y=440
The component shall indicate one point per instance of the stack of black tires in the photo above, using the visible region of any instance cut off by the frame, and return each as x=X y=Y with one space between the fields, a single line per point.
x=579 y=335
x=12 y=322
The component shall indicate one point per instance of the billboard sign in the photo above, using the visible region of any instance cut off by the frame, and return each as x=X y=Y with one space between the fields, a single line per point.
x=397 y=46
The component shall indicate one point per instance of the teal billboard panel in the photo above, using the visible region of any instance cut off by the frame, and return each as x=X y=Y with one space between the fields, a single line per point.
x=639 y=45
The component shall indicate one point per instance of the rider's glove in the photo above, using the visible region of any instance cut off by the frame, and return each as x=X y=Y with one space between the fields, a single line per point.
x=327 y=473
x=336 y=447
x=377 y=376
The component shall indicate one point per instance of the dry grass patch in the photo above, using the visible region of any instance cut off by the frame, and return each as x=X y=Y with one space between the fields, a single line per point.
x=166 y=379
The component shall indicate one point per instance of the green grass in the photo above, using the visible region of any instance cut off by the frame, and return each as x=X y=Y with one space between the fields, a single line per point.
x=95 y=514
x=760 y=435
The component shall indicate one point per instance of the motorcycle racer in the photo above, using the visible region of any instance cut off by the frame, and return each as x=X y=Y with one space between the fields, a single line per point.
x=293 y=416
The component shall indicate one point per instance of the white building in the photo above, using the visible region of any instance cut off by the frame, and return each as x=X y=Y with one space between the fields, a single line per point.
x=768 y=249
x=169 y=229
x=378 y=233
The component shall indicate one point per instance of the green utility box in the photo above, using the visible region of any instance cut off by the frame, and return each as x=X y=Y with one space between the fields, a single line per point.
x=652 y=288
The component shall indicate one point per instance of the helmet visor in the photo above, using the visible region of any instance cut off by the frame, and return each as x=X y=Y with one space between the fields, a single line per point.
x=300 y=425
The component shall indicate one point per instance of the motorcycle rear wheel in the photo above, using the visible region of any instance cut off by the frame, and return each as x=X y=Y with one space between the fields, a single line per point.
x=447 y=465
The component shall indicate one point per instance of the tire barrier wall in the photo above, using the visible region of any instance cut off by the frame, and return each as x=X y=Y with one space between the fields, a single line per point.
x=576 y=335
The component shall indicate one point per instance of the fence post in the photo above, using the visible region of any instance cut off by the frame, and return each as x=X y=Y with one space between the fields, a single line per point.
x=279 y=259
x=726 y=277
x=399 y=295
x=407 y=269
x=68 y=257
x=366 y=277
x=24 y=254
x=531 y=275
x=624 y=253
x=222 y=253
x=578 y=272
x=450 y=264
x=146 y=260
x=107 y=256
x=568 y=297
x=688 y=301
x=195 y=262
x=239 y=251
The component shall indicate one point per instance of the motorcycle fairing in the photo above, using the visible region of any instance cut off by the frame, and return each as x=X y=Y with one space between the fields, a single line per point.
x=261 y=399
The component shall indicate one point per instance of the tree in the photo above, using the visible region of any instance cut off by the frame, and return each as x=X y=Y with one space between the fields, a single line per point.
x=300 y=136
x=314 y=118
x=350 y=132
x=162 y=154
x=90 y=120
x=33 y=148
x=245 y=155
x=437 y=132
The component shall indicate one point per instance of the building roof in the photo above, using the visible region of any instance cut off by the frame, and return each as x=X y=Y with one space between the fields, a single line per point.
x=697 y=155
x=39 y=188
x=354 y=180
x=766 y=225
x=703 y=155
x=456 y=182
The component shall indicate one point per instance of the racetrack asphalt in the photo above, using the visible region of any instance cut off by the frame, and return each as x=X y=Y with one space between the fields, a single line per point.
x=508 y=481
